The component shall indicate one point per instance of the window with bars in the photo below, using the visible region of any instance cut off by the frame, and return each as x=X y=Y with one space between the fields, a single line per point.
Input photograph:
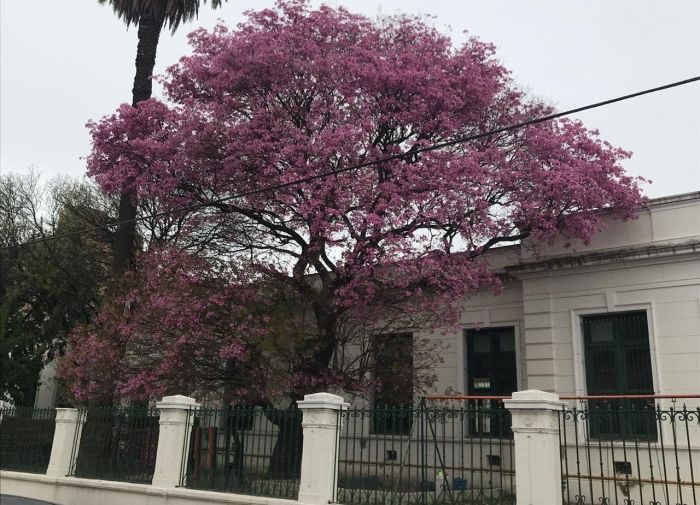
x=618 y=362
x=393 y=392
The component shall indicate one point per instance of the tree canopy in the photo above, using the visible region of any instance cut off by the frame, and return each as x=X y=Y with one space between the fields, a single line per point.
x=294 y=92
x=47 y=287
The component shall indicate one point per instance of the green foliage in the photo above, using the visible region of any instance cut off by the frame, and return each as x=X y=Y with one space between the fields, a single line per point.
x=46 y=287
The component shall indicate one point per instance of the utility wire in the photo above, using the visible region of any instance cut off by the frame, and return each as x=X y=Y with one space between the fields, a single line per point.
x=329 y=173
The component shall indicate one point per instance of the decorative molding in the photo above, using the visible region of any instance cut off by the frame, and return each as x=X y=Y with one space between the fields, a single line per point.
x=72 y=420
x=605 y=257
x=610 y=299
x=163 y=422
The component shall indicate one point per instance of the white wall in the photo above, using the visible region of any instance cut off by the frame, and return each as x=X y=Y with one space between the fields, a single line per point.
x=46 y=392
x=668 y=290
x=481 y=310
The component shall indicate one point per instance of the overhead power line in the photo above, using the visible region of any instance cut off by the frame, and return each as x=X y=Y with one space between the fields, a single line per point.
x=329 y=173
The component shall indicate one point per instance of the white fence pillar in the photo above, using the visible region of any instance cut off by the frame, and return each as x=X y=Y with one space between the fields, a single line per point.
x=319 y=460
x=66 y=442
x=176 y=415
x=536 y=437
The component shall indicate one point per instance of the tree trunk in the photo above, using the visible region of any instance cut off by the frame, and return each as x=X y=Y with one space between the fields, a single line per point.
x=285 y=462
x=326 y=321
x=125 y=240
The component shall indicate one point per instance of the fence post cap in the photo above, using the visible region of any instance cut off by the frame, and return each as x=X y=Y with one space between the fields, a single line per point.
x=177 y=402
x=535 y=394
x=323 y=401
x=533 y=398
x=67 y=413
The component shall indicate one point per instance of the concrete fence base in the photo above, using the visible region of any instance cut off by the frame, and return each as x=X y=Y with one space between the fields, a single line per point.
x=536 y=449
x=75 y=491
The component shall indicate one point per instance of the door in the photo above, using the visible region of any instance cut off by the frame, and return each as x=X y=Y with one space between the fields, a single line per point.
x=491 y=371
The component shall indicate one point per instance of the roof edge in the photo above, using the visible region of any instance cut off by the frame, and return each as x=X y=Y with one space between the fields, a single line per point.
x=680 y=197
x=604 y=257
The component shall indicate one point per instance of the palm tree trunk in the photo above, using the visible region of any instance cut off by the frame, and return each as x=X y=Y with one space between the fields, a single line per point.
x=149 y=32
x=125 y=240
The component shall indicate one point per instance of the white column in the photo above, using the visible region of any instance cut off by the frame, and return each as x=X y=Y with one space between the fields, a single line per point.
x=319 y=461
x=176 y=416
x=66 y=442
x=537 y=458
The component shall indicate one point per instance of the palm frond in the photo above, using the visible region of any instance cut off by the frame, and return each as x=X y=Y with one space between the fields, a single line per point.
x=172 y=12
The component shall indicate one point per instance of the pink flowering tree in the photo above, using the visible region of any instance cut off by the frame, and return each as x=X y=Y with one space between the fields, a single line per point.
x=294 y=92
x=225 y=332
x=181 y=324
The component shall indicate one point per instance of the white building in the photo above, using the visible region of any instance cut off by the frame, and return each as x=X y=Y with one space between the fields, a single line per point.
x=564 y=319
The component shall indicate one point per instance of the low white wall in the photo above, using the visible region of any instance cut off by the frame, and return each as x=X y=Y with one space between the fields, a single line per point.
x=75 y=491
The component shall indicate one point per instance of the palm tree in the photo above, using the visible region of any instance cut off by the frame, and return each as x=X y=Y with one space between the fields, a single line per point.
x=150 y=16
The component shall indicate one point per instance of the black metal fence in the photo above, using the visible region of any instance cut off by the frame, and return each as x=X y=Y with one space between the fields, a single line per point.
x=636 y=450
x=459 y=452
x=117 y=443
x=246 y=450
x=26 y=435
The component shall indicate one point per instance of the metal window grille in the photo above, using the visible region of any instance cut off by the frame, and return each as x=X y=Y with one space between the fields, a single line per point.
x=393 y=373
x=618 y=362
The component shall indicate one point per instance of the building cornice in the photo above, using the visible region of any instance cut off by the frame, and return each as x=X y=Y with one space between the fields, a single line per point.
x=605 y=257
x=682 y=197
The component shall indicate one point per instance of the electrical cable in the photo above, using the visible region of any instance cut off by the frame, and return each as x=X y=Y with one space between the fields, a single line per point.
x=329 y=173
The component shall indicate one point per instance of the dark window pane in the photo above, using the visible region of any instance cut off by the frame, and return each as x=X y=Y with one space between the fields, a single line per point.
x=482 y=343
x=638 y=369
x=601 y=331
x=507 y=342
x=618 y=362
x=393 y=393
x=601 y=370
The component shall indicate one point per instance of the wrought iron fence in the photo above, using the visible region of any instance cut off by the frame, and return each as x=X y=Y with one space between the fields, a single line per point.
x=26 y=436
x=117 y=443
x=456 y=452
x=246 y=450
x=627 y=450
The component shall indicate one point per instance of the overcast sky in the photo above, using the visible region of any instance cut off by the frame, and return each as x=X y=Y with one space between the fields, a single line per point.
x=64 y=62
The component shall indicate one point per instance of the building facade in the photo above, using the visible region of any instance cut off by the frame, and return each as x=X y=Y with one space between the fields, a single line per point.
x=620 y=315
x=617 y=316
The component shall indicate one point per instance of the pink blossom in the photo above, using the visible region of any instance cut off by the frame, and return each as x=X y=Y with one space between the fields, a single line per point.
x=294 y=92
